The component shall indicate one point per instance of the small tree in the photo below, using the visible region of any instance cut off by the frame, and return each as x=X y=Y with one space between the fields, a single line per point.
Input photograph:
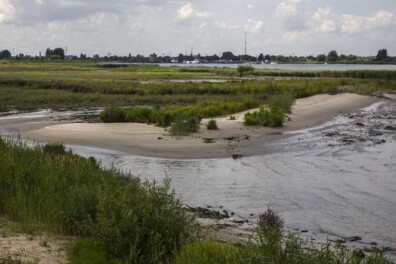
x=332 y=56
x=382 y=54
x=321 y=58
x=5 y=54
x=60 y=52
x=228 y=55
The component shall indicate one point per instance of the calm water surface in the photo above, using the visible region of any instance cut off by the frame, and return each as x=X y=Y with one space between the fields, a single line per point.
x=297 y=67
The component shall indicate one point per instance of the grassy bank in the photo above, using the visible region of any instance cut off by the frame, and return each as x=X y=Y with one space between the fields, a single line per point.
x=49 y=189
x=118 y=219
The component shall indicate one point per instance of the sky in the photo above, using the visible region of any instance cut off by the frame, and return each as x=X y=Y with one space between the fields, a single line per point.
x=170 y=27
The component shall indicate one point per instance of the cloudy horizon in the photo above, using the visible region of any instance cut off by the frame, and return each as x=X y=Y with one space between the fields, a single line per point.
x=120 y=27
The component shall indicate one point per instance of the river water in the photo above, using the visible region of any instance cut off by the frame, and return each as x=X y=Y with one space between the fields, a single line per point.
x=336 y=180
x=295 y=67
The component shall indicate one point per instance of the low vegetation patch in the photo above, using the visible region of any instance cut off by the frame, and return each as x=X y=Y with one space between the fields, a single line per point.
x=184 y=126
x=263 y=117
x=245 y=70
x=212 y=125
x=113 y=114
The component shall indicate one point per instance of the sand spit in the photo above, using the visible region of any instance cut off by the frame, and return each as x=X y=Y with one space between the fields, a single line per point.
x=232 y=138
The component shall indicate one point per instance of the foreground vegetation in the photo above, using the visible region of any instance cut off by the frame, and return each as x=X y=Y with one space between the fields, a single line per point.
x=49 y=189
x=120 y=219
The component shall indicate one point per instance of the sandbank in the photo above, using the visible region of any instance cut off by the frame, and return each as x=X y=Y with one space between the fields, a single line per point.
x=231 y=138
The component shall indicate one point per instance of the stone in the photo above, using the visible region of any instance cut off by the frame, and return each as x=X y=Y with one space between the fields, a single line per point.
x=354 y=238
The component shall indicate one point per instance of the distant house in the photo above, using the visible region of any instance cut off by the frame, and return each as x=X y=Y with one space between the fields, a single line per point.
x=153 y=58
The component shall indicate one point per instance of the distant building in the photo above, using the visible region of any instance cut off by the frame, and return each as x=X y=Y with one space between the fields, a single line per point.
x=153 y=58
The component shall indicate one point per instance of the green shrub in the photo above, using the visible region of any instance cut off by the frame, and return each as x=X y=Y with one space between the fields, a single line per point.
x=272 y=118
x=184 y=126
x=212 y=125
x=333 y=90
x=232 y=118
x=113 y=114
x=270 y=220
x=141 y=115
x=54 y=149
x=245 y=69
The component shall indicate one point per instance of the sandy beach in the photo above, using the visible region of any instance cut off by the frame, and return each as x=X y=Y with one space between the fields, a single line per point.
x=232 y=138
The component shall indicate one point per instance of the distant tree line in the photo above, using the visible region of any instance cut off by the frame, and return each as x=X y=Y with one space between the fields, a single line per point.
x=226 y=57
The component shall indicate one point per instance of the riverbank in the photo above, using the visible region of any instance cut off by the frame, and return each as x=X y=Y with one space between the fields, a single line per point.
x=232 y=137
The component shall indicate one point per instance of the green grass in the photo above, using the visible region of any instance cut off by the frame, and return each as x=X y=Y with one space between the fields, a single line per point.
x=88 y=251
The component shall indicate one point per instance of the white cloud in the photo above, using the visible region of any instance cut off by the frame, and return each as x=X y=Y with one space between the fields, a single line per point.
x=321 y=13
x=381 y=19
x=287 y=8
x=187 y=11
x=225 y=26
x=254 y=25
x=136 y=27
x=351 y=23
x=7 y=11
x=324 y=21
x=357 y=24
x=328 y=26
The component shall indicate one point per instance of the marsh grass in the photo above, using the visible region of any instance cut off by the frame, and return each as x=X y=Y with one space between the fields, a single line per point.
x=45 y=189
x=60 y=86
x=264 y=117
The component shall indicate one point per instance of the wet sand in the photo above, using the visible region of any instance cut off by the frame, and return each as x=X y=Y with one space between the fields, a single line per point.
x=232 y=138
